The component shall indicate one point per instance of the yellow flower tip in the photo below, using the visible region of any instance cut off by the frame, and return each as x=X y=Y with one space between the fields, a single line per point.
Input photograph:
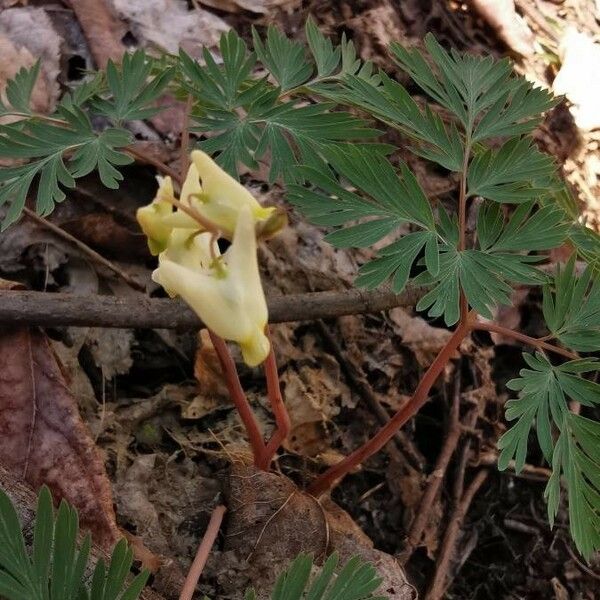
x=223 y=197
x=151 y=219
x=255 y=349
x=191 y=186
x=273 y=224
x=165 y=191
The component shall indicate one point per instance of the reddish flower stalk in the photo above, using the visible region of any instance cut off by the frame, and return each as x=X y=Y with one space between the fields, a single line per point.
x=282 y=418
x=239 y=397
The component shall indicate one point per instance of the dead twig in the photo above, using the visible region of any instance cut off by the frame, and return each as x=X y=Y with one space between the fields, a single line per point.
x=210 y=535
x=55 y=310
x=437 y=476
x=440 y=580
x=358 y=382
x=84 y=248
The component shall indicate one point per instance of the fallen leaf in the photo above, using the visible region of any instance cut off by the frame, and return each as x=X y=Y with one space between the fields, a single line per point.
x=270 y=519
x=111 y=350
x=423 y=339
x=170 y=24
x=507 y=23
x=313 y=396
x=103 y=31
x=255 y=6
x=207 y=369
x=43 y=438
x=579 y=77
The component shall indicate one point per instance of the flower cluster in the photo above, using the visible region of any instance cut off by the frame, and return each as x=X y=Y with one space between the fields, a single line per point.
x=223 y=289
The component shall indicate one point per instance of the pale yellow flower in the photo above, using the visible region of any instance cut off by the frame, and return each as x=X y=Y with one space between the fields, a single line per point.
x=152 y=217
x=224 y=291
x=223 y=197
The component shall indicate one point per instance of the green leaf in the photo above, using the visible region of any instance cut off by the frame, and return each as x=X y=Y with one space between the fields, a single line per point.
x=543 y=230
x=571 y=307
x=132 y=89
x=19 y=89
x=576 y=456
x=327 y=58
x=284 y=58
x=515 y=173
x=355 y=581
x=56 y=568
x=515 y=112
x=45 y=144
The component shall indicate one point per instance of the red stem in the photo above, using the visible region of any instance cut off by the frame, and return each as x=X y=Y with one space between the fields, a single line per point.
x=282 y=418
x=210 y=535
x=537 y=342
x=383 y=436
x=239 y=397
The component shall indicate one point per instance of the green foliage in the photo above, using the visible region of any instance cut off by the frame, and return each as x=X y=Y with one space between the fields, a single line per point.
x=56 y=567
x=53 y=151
x=355 y=581
x=572 y=308
x=544 y=391
x=252 y=118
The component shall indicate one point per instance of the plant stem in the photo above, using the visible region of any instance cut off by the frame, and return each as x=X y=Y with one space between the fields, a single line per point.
x=462 y=218
x=239 y=397
x=185 y=138
x=282 y=418
x=155 y=162
x=210 y=535
x=536 y=342
x=327 y=479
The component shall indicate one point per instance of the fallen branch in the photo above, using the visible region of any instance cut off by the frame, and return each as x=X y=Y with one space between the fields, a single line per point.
x=52 y=310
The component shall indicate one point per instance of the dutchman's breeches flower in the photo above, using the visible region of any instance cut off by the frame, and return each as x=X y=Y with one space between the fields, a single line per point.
x=225 y=291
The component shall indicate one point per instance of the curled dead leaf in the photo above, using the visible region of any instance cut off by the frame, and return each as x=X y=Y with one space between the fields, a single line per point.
x=271 y=520
x=42 y=436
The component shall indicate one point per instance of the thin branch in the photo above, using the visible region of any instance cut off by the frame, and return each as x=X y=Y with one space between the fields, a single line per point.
x=358 y=382
x=439 y=583
x=210 y=535
x=536 y=342
x=238 y=397
x=55 y=310
x=282 y=418
x=332 y=475
x=84 y=248
x=436 y=478
x=147 y=158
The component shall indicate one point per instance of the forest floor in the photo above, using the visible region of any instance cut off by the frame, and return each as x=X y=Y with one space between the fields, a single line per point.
x=154 y=400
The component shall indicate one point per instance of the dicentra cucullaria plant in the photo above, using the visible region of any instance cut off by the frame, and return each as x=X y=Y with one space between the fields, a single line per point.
x=288 y=105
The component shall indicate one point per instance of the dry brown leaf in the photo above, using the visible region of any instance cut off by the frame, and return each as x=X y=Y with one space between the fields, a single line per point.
x=423 y=339
x=43 y=438
x=207 y=369
x=103 y=31
x=270 y=520
x=313 y=396
x=510 y=27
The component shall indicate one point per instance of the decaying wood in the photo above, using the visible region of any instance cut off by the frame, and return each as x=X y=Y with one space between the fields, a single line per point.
x=24 y=501
x=52 y=310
